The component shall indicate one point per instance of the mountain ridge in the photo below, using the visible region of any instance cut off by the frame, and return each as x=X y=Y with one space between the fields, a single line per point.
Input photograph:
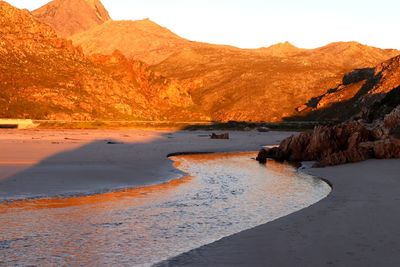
x=216 y=82
x=141 y=39
x=242 y=85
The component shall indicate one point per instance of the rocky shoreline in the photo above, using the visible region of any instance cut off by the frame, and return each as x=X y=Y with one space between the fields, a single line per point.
x=347 y=142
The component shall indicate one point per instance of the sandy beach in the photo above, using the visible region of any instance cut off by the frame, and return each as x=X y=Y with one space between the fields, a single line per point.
x=356 y=225
x=43 y=163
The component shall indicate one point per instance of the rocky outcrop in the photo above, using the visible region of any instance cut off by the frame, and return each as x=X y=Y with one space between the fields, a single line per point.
x=344 y=143
x=347 y=142
x=321 y=143
x=392 y=122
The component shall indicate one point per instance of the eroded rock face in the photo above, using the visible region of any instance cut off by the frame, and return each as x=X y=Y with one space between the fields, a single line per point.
x=382 y=149
x=344 y=143
x=392 y=120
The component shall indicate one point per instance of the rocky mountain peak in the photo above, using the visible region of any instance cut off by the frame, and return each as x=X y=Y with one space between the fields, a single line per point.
x=144 y=40
x=69 y=17
x=281 y=49
x=285 y=45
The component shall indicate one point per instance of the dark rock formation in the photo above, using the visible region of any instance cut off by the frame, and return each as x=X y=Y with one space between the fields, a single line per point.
x=344 y=143
x=220 y=136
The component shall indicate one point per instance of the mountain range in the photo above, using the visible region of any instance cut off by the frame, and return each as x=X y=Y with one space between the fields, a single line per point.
x=69 y=59
x=43 y=76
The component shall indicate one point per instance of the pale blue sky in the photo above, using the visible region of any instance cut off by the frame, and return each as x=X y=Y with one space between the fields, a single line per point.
x=256 y=23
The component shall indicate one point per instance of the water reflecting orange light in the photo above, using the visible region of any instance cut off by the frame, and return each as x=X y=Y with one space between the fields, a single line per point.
x=227 y=193
x=48 y=203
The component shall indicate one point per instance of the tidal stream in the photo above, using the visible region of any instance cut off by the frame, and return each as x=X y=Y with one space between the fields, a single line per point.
x=225 y=194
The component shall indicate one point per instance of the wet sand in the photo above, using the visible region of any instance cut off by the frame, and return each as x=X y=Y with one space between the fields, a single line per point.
x=42 y=163
x=356 y=225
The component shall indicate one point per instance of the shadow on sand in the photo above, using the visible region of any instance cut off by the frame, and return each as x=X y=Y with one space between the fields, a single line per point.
x=81 y=165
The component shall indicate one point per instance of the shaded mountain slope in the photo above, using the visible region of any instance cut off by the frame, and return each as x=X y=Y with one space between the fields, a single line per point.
x=46 y=77
x=68 y=17
x=360 y=94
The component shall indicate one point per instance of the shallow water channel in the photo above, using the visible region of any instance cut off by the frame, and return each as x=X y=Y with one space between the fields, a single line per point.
x=224 y=194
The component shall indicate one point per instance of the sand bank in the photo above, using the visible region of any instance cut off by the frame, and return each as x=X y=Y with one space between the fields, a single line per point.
x=356 y=225
x=41 y=163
